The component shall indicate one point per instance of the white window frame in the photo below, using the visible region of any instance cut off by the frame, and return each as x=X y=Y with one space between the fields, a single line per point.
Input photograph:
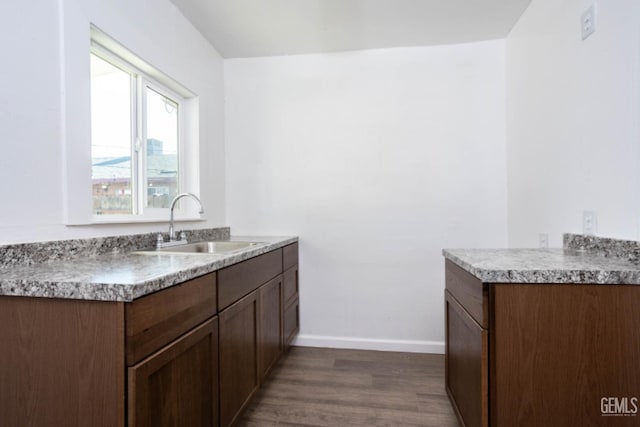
x=144 y=83
x=188 y=142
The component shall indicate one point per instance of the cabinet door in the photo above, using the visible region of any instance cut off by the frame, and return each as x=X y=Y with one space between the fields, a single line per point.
x=291 y=323
x=238 y=356
x=178 y=385
x=291 y=316
x=271 y=297
x=466 y=365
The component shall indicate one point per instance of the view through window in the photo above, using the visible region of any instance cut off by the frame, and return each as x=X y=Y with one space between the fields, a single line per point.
x=162 y=149
x=129 y=176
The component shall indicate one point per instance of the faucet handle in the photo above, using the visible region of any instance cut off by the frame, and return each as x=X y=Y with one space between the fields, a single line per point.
x=159 y=240
x=183 y=236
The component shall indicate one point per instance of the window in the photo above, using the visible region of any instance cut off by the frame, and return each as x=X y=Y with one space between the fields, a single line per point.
x=131 y=132
x=136 y=138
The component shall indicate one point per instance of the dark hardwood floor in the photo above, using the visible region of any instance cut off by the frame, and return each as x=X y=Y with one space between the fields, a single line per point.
x=329 y=387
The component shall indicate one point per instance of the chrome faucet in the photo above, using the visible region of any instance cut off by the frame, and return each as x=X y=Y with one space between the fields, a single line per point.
x=172 y=234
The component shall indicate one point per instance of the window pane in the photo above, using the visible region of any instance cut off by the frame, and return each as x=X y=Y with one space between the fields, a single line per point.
x=162 y=149
x=110 y=138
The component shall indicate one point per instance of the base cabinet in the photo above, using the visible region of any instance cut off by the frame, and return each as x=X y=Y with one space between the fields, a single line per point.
x=291 y=323
x=250 y=345
x=238 y=356
x=189 y=355
x=291 y=298
x=542 y=354
x=467 y=368
x=271 y=342
x=61 y=363
x=178 y=385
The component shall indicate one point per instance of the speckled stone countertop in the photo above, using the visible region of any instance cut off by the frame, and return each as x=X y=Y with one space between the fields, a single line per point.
x=121 y=276
x=583 y=260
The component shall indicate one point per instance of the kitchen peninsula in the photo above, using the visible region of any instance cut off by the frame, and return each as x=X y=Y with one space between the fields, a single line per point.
x=544 y=336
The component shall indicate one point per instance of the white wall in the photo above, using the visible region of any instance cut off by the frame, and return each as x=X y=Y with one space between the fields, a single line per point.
x=377 y=159
x=573 y=110
x=44 y=41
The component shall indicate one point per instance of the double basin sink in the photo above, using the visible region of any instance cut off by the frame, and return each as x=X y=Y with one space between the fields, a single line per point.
x=210 y=247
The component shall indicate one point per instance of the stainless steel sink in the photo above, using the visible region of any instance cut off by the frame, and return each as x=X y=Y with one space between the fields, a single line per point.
x=211 y=247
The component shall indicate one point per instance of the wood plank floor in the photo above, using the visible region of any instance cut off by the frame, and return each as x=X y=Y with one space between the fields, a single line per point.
x=329 y=387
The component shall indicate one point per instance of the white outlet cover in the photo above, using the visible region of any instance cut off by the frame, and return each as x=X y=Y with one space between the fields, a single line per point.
x=543 y=240
x=589 y=223
x=588 y=21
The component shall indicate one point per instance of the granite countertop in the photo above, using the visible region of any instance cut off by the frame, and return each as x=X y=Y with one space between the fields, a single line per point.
x=578 y=266
x=122 y=276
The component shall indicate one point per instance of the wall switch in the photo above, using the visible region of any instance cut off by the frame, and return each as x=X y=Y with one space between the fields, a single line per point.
x=588 y=21
x=543 y=240
x=589 y=223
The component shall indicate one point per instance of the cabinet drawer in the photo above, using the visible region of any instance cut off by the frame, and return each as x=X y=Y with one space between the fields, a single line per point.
x=289 y=256
x=238 y=280
x=290 y=285
x=155 y=320
x=470 y=292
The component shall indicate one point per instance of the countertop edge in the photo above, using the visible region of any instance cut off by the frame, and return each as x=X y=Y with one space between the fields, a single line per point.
x=575 y=276
x=127 y=292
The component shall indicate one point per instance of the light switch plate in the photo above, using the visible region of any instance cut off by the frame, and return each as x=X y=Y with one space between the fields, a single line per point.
x=588 y=21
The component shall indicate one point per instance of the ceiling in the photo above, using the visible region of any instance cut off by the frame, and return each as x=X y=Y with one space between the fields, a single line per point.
x=246 y=28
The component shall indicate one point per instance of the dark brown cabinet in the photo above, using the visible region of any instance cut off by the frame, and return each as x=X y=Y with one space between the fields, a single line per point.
x=541 y=354
x=250 y=345
x=192 y=354
x=172 y=354
x=156 y=319
x=467 y=367
x=238 y=356
x=177 y=385
x=467 y=346
x=291 y=304
x=271 y=342
x=251 y=329
x=240 y=279
x=61 y=362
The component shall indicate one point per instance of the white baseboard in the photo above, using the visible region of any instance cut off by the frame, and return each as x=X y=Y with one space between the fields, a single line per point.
x=436 y=347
